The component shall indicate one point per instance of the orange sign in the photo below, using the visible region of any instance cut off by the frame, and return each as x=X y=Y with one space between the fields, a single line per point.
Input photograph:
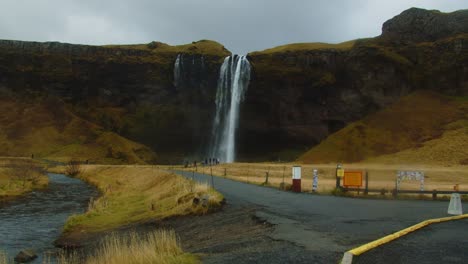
x=352 y=178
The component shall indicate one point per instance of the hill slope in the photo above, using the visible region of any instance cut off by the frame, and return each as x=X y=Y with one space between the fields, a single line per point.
x=424 y=127
x=46 y=128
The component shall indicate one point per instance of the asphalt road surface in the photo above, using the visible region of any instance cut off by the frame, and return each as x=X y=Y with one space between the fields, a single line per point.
x=325 y=225
x=438 y=243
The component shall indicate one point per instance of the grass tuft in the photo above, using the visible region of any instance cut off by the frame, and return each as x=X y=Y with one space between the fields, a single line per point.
x=160 y=246
x=3 y=257
x=156 y=247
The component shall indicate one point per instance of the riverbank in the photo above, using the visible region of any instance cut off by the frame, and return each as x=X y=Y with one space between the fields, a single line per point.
x=19 y=176
x=132 y=195
x=35 y=220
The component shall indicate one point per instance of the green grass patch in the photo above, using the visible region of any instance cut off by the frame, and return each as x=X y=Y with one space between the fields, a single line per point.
x=132 y=194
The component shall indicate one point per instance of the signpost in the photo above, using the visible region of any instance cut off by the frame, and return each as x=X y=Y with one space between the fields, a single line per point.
x=315 y=181
x=296 y=178
x=339 y=174
x=410 y=175
x=352 y=179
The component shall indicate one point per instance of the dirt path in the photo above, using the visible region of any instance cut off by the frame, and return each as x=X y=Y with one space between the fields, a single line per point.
x=236 y=235
x=322 y=226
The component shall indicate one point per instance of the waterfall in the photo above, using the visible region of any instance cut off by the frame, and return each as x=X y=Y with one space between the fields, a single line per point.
x=178 y=70
x=234 y=77
x=188 y=69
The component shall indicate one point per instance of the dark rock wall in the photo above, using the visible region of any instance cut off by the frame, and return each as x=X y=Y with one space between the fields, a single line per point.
x=137 y=80
x=295 y=98
x=418 y=25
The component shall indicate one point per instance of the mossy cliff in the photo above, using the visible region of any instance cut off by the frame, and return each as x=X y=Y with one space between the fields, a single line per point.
x=128 y=89
x=298 y=94
x=301 y=93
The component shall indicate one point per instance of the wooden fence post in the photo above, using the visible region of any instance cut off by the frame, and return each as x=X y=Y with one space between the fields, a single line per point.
x=284 y=169
x=366 y=191
x=212 y=179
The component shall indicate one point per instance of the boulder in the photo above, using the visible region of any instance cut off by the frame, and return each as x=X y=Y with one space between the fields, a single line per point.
x=25 y=255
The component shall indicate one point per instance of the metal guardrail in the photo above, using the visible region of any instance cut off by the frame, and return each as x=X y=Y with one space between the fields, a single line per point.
x=395 y=193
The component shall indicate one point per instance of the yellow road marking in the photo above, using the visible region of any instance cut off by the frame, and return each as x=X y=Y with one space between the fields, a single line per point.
x=347 y=258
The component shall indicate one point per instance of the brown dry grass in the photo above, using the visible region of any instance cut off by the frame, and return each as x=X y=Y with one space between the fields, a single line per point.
x=47 y=128
x=132 y=194
x=380 y=175
x=307 y=46
x=431 y=127
x=159 y=246
x=156 y=247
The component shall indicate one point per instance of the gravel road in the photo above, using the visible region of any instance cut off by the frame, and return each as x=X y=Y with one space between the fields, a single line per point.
x=324 y=226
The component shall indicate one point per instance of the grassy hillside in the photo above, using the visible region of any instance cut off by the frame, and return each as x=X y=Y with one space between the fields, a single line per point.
x=423 y=127
x=46 y=128
x=306 y=47
x=206 y=47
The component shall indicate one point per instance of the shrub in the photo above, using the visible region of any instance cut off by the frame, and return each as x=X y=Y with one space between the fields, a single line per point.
x=338 y=191
x=73 y=168
x=24 y=171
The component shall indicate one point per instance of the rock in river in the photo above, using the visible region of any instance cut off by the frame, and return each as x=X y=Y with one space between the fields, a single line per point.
x=25 y=255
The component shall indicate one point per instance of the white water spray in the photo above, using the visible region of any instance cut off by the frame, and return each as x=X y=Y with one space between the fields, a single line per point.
x=178 y=70
x=233 y=81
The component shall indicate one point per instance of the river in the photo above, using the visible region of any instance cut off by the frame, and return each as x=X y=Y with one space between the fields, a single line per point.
x=35 y=220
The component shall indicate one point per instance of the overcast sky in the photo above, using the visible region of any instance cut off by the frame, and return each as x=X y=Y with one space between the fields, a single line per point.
x=241 y=25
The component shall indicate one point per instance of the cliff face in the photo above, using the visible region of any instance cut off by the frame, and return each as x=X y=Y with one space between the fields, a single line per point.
x=419 y=25
x=128 y=89
x=298 y=94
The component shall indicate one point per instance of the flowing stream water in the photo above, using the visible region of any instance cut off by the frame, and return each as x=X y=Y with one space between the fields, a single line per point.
x=234 y=78
x=35 y=220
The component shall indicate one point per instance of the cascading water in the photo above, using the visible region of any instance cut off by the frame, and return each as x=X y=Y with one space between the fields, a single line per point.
x=188 y=69
x=178 y=70
x=233 y=81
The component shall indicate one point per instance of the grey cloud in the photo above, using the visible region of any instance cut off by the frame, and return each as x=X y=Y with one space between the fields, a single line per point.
x=241 y=25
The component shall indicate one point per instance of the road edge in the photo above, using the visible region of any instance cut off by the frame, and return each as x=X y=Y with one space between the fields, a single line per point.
x=350 y=254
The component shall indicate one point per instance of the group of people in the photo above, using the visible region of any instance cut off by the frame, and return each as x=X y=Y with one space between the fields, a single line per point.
x=210 y=161
x=206 y=162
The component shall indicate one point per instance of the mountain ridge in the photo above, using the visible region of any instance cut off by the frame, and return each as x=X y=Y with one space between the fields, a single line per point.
x=298 y=95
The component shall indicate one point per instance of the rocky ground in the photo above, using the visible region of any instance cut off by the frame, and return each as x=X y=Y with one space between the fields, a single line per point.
x=232 y=235
x=237 y=235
